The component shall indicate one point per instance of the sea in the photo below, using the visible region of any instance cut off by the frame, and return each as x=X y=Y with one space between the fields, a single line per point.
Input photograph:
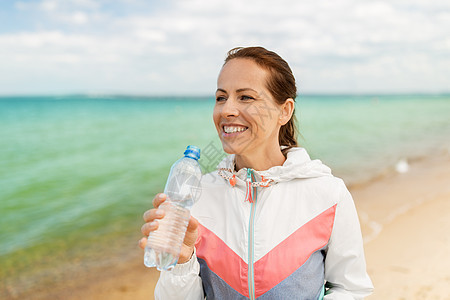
x=77 y=172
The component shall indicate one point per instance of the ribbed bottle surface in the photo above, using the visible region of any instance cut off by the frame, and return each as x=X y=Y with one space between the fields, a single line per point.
x=164 y=245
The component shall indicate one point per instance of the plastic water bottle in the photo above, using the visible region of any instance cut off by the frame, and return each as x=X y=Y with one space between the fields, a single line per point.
x=182 y=190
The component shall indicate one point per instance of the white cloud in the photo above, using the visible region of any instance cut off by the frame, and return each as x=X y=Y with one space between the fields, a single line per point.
x=345 y=46
x=49 y=5
x=79 y=17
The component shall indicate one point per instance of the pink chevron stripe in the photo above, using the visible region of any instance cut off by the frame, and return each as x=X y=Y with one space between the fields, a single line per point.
x=293 y=252
x=221 y=260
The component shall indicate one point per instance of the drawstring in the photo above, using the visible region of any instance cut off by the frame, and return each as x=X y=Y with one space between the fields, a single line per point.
x=249 y=194
x=230 y=177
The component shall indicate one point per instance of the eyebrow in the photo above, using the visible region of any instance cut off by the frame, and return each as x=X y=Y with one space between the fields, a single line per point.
x=238 y=90
x=245 y=89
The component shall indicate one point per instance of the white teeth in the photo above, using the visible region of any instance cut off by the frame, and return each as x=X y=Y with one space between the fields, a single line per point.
x=232 y=129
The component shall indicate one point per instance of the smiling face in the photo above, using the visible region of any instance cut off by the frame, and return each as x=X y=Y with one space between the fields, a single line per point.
x=246 y=116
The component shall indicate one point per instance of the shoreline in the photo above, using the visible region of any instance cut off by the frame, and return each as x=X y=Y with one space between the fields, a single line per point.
x=404 y=221
x=392 y=170
x=405 y=224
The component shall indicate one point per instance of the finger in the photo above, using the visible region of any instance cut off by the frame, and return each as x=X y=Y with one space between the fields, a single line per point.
x=159 y=198
x=192 y=225
x=142 y=243
x=191 y=233
x=152 y=214
x=149 y=227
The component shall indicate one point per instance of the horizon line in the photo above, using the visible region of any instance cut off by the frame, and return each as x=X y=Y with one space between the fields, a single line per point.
x=190 y=96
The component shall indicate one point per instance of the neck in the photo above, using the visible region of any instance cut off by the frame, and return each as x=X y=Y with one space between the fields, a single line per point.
x=260 y=161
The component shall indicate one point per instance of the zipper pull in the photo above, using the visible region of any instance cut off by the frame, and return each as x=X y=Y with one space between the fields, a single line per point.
x=249 y=194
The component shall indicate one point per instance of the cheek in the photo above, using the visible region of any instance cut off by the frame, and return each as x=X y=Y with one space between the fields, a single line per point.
x=253 y=116
x=216 y=117
x=263 y=119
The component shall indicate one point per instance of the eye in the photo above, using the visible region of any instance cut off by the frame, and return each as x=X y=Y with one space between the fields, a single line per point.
x=220 y=98
x=245 y=97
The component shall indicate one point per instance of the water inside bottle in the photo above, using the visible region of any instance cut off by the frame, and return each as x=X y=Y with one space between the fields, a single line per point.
x=164 y=244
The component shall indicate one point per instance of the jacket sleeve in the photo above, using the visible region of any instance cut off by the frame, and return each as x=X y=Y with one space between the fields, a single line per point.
x=345 y=265
x=183 y=282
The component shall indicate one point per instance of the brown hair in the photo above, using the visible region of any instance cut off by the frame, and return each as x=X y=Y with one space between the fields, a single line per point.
x=280 y=83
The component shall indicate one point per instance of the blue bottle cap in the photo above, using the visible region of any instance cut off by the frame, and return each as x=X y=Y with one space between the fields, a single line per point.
x=192 y=152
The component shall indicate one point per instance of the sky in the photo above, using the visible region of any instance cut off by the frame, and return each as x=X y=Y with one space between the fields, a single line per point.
x=143 y=47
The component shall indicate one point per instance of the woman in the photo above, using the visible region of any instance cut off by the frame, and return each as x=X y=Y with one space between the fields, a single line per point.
x=271 y=223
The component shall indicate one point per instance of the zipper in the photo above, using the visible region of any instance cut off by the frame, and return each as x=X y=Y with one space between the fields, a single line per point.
x=251 y=197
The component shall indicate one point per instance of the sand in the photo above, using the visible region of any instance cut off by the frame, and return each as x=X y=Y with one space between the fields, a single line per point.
x=405 y=220
x=406 y=224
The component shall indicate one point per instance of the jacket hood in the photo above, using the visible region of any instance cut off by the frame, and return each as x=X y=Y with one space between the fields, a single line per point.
x=297 y=165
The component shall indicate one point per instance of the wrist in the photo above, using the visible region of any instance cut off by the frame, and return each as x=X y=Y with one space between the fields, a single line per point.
x=185 y=259
x=188 y=267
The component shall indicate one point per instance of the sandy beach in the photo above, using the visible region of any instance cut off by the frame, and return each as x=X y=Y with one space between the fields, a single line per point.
x=405 y=223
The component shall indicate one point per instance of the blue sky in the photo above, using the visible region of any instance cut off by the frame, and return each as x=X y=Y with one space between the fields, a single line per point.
x=177 y=47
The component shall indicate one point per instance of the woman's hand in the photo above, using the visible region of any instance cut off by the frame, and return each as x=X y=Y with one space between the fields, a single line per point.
x=151 y=224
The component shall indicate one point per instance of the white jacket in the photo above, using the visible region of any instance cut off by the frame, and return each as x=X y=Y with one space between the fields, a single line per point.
x=300 y=232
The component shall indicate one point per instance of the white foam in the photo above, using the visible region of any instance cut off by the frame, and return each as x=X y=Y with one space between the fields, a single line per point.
x=402 y=166
x=375 y=227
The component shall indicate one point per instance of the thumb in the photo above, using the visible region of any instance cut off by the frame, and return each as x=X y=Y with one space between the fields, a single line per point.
x=192 y=225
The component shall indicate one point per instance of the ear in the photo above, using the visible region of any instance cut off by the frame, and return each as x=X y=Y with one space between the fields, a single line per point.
x=287 y=109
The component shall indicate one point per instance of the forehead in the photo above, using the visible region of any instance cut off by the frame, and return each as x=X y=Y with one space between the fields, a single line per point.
x=241 y=72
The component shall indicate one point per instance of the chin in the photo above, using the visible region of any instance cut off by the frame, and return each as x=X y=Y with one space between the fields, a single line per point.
x=229 y=149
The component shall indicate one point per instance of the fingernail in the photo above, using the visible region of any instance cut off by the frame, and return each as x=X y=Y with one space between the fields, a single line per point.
x=159 y=213
x=153 y=224
x=162 y=196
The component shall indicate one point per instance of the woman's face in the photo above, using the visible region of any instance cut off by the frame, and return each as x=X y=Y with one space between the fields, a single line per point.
x=246 y=115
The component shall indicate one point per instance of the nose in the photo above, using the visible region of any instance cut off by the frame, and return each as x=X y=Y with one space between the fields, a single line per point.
x=230 y=108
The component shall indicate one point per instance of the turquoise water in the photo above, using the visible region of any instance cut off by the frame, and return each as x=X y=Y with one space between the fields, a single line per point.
x=362 y=136
x=78 y=171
